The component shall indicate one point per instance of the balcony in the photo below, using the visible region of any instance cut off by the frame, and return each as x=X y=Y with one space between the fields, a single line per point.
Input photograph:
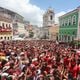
x=5 y=29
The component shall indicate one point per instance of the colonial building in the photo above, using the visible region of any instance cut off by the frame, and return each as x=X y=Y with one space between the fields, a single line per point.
x=18 y=24
x=70 y=26
x=50 y=30
x=33 y=32
x=48 y=21
x=15 y=19
x=6 y=28
x=53 y=32
x=26 y=26
x=36 y=31
x=48 y=18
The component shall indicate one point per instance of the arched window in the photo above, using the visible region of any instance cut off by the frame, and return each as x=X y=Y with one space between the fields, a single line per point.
x=69 y=21
x=11 y=37
x=74 y=19
x=66 y=22
x=8 y=38
x=74 y=32
x=3 y=25
x=62 y=23
x=5 y=37
x=51 y=17
x=9 y=26
x=6 y=25
x=68 y=38
x=1 y=37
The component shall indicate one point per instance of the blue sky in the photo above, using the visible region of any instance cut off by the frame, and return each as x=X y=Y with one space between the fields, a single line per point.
x=57 y=5
x=33 y=10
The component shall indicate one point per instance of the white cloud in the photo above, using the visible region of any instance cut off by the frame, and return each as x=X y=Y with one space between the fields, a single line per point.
x=58 y=15
x=30 y=12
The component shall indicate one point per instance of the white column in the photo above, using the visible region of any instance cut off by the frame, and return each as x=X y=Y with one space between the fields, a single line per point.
x=61 y=38
x=70 y=38
x=67 y=39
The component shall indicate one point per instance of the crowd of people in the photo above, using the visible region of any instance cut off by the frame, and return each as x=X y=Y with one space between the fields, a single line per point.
x=38 y=60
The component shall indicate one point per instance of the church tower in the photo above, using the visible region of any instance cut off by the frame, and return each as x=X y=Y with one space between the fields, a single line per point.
x=48 y=18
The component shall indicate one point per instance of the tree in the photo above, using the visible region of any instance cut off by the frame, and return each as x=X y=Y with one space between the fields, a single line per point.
x=31 y=34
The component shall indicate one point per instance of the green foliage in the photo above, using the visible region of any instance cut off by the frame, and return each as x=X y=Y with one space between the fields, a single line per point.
x=31 y=34
x=21 y=35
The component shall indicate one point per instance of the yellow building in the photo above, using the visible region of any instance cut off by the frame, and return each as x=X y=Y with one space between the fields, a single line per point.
x=53 y=32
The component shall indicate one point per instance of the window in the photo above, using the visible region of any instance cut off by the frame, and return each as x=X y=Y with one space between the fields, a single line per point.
x=9 y=26
x=74 y=19
x=6 y=25
x=62 y=22
x=69 y=21
x=62 y=37
x=74 y=32
x=1 y=37
x=68 y=38
x=8 y=38
x=5 y=37
x=51 y=17
x=66 y=22
x=72 y=38
x=3 y=25
x=11 y=37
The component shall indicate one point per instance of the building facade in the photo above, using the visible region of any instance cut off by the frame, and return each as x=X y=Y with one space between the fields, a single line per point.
x=48 y=21
x=36 y=31
x=32 y=31
x=6 y=28
x=17 y=21
x=53 y=32
x=48 y=18
x=69 y=28
x=18 y=24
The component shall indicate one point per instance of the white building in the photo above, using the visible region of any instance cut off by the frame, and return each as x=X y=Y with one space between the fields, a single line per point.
x=18 y=24
x=48 y=18
x=36 y=31
x=48 y=21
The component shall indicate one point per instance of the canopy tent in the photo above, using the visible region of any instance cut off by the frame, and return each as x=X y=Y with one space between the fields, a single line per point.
x=18 y=38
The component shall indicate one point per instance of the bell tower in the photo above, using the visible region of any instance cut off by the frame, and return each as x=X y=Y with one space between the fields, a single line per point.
x=48 y=18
